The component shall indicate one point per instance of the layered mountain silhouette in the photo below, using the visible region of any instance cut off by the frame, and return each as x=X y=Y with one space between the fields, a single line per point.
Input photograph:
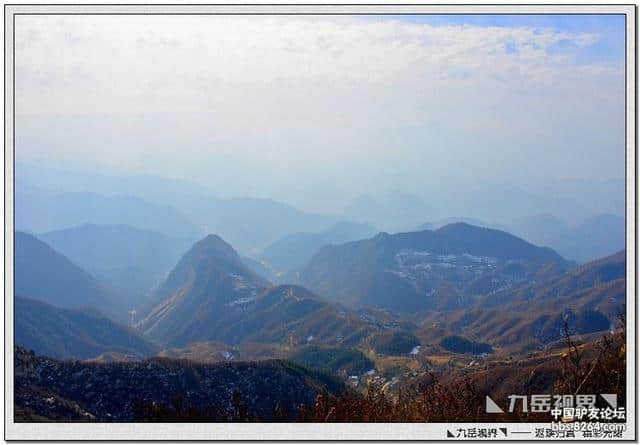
x=575 y=284
x=212 y=295
x=132 y=261
x=74 y=333
x=433 y=225
x=295 y=250
x=251 y=224
x=40 y=211
x=176 y=208
x=392 y=210
x=44 y=274
x=595 y=237
x=427 y=270
x=589 y=298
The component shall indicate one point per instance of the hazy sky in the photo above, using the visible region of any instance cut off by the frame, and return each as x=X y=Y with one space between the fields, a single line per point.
x=300 y=107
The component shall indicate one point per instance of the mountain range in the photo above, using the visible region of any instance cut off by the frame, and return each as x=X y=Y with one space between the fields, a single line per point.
x=393 y=211
x=460 y=302
x=45 y=274
x=212 y=295
x=74 y=333
x=39 y=211
x=49 y=199
x=293 y=251
x=433 y=225
x=131 y=261
x=427 y=270
x=590 y=298
x=125 y=310
x=595 y=237
x=462 y=273
x=251 y=224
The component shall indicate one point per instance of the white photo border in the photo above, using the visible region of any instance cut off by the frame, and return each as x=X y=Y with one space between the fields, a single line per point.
x=301 y=431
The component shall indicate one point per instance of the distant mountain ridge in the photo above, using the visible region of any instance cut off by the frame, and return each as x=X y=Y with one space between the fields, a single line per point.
x=251 y=224
x=176 y=208
x=293 y=251
x=593 y=238
x=426 y=270
x=43 y=211
x=73 y=333
x=391 y=211
x=132 y=261
x=44 y=274
x=437 y=224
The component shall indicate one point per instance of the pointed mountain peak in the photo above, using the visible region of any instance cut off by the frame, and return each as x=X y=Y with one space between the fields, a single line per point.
x=210 y=272
x=212 y=240
x=214 y=246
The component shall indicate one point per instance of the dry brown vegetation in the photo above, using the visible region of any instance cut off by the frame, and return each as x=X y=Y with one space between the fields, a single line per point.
x=590 y=368
x=595 y=368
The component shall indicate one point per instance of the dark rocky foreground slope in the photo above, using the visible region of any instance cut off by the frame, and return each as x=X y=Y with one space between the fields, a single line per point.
x=47 y=389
